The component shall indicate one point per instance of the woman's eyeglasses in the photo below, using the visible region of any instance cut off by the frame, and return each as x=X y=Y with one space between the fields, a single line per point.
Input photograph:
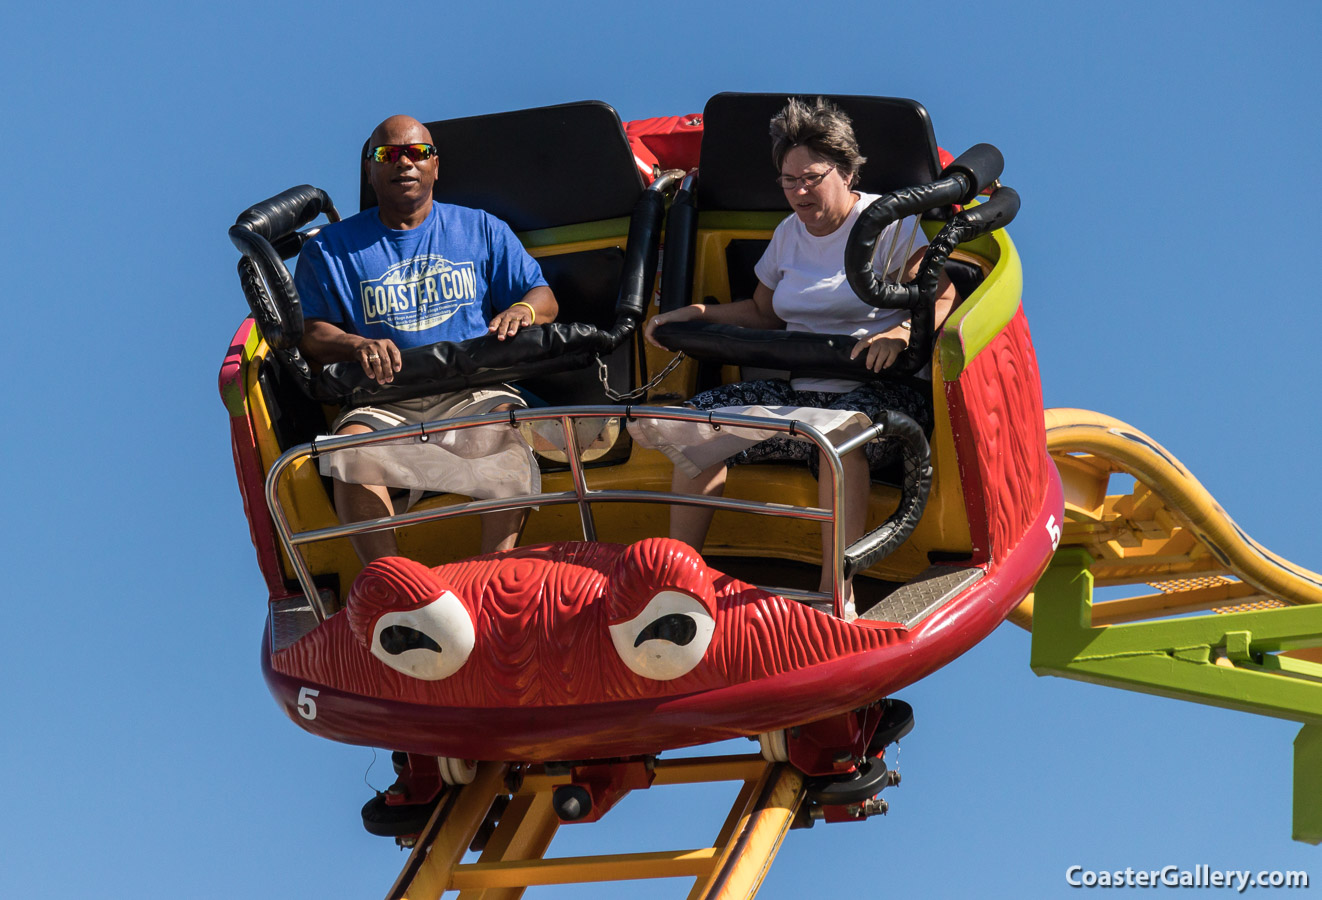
x=390 y=153
x=811 y=180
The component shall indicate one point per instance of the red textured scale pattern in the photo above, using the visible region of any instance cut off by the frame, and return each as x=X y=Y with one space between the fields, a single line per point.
x=541 y=618
x=1002 y=400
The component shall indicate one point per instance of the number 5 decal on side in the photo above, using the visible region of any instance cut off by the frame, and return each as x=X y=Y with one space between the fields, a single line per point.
x=1052 y=529
x=307 y=706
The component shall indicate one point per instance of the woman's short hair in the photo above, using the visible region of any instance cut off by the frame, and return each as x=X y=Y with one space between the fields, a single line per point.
x=822 y=129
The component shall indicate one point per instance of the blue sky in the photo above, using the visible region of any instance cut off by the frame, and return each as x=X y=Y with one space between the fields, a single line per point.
x=1164 y=153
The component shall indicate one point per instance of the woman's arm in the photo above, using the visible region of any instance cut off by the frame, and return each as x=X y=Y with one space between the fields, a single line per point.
x=755 y=313
x=883 y=348
x=945 y=291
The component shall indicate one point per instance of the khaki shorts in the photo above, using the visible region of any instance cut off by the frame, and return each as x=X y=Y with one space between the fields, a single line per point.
x=437 y=407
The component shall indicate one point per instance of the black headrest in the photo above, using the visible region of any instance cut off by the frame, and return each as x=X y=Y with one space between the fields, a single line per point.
x=535 y=168
x=736 y=172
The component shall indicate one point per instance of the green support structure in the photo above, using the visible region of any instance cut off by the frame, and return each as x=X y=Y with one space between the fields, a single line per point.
x=1219 y=660
x=1308 y=784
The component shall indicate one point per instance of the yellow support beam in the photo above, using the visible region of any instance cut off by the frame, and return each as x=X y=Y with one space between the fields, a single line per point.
x=584 y=869
x=514 y=857
x=525 y=832
x=732 y=822
x=757 y=838
x=446 y=838
x=1173 y=603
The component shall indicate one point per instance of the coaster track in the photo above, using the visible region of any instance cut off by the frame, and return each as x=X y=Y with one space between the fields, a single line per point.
x=1223 y=621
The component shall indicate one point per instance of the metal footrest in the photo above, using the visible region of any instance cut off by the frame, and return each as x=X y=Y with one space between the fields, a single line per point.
x=909 y=604
x=290 y=620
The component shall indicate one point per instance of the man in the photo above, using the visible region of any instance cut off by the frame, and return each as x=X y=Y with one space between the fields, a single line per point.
x=408 y=273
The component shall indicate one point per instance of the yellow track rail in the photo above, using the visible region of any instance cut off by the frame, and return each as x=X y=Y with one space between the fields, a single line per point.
x=1167 y=533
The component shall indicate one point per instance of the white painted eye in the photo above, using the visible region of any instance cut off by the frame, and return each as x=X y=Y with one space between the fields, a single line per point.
x=667 y=639
x=430 y=642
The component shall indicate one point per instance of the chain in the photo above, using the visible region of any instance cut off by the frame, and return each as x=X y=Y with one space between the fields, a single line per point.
x=660 y=376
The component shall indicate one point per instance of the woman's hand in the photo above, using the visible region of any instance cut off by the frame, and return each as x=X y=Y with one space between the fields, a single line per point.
x=683 y=314
x=882 y=349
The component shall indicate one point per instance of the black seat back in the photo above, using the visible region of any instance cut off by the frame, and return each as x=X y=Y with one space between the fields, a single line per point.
x=736 y=172
x=552 y=167
x=535 y=168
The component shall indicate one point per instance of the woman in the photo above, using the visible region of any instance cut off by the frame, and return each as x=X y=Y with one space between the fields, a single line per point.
x=802 y=287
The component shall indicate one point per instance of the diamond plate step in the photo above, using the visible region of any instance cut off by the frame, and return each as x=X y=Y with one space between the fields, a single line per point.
x=909 y=604
x=290 y=620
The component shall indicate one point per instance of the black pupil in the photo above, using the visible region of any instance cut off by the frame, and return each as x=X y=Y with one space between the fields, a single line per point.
x=676 y=628
x=397 y=638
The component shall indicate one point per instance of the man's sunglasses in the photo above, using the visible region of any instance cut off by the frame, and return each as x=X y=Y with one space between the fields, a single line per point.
x=390 y=153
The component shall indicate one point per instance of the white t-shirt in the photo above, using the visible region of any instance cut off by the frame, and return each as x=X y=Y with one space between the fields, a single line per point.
x=810 y=293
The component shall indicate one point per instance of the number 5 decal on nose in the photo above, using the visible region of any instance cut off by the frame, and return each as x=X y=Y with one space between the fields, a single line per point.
x=307 y=706
x=1053 y=530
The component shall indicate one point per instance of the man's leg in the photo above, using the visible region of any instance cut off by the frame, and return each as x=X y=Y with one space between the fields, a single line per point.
x=501 y=530
x=358 y=502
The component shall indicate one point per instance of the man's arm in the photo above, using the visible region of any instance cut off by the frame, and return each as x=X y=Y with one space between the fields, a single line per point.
x=325 y=342
x=540 y=309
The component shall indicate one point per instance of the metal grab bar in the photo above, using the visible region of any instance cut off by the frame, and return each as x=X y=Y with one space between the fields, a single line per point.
x=581 y=495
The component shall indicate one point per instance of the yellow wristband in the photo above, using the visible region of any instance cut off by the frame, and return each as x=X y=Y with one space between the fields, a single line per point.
x=531 y=311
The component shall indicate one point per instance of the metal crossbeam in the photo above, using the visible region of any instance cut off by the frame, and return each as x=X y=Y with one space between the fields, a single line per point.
x=514 y=857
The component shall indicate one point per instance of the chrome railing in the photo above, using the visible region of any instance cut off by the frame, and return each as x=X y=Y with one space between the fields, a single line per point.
x=581 y=495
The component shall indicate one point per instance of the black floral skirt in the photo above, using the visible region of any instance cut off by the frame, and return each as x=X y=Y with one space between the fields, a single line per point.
x=869 y=398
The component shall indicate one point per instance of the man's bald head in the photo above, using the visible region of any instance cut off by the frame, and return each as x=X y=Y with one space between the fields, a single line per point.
x=400 y=130
x=403 y=187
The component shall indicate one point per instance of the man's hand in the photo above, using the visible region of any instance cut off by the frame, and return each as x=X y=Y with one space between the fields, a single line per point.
x=380 y=359
x=510 y=321
x=538 y=307
x=325 y=342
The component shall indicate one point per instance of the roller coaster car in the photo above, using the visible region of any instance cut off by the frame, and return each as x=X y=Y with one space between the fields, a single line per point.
x=571 y=648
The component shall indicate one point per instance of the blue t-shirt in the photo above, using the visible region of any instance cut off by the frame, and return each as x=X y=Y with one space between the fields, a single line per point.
x=441 y=281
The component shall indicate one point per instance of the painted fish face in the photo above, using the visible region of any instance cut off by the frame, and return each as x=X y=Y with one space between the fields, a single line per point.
x=574 y=623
